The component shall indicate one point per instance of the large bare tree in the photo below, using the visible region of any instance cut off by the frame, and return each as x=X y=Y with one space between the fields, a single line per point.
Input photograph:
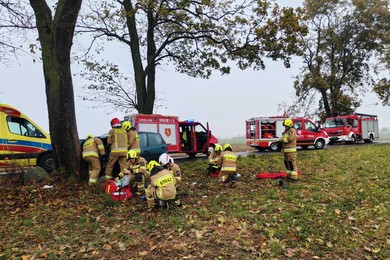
x=56 y=38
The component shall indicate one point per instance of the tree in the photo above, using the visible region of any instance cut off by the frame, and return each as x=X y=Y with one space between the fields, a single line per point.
x=14 y=23
x=55 y=37
x=346 y=39
x=197 y=37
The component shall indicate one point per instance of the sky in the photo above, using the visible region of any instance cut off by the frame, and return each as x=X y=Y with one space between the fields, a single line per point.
x=225 y=102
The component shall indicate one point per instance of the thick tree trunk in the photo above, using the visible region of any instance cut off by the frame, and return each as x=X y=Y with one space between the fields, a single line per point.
x=139 y=74
x=55 y=36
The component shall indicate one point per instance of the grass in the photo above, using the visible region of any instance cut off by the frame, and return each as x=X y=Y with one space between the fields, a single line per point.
x=338 y=209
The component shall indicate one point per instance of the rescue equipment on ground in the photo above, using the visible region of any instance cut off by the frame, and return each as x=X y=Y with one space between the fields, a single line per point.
x=272 y=175
x=117 y=193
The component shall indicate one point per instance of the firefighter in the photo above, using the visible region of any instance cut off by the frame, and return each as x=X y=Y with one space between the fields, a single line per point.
x=162 y=185
x=228 y=164
x=215 y=154
x=92 y=148
x=117 y=141
x=133 y=137
x=167 y=162
x=136 y=168
x=289 y=149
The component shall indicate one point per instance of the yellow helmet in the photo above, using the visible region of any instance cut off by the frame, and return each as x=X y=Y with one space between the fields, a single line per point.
x=127 y=125
x=88 y=136
x=152 y=164
x=218 y=148
x=288 y=122
x=131 y=155
x=227 y=146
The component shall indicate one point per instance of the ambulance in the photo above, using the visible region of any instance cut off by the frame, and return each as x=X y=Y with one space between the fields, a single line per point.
x=22 y=142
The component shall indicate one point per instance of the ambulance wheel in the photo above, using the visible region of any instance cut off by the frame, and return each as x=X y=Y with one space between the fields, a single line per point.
x=319 y=144
x=274 y=147
x=47 y=162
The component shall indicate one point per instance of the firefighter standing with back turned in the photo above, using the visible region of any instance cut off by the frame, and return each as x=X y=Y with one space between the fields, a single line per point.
x=289 y=149
x=228 y=164
x=92 y=148
x=133 y=138
x=118 y=142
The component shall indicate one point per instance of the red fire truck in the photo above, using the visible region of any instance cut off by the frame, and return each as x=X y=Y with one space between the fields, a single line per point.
x=352 y=128
x=263 y=133
x=188 y=136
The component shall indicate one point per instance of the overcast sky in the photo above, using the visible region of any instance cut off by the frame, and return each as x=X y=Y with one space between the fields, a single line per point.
x=223 y=101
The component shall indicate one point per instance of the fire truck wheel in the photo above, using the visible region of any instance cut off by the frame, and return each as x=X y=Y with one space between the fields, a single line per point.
x=370 y=140
x=319 y=144
x=353 y=140
x=274 y=147
x=191 y=155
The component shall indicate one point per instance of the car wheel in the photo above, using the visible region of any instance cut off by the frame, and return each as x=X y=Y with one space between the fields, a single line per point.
x=47 y=162
x=274 y=147
x=319 y=144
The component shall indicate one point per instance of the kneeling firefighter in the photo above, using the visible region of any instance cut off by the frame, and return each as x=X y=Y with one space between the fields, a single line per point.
x=215 y=154
x=136 y=169
x=289 y=149
x=162 y=184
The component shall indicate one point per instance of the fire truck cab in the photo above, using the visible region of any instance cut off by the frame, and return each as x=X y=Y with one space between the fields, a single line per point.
x=263 y=133
x=352 y=128
x=188 y=136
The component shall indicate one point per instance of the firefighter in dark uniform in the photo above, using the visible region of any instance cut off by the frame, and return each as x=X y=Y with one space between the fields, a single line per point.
x=92 y=148
x=118 y=142
x=289 y=149
x=133 y=137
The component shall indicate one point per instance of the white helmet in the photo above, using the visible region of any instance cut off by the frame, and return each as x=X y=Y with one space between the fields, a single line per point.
x=165 y=159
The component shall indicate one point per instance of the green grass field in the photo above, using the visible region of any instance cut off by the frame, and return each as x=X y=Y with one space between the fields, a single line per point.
x=339 y=209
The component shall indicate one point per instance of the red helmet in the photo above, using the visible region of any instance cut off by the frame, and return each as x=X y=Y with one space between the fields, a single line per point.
x=115 y=122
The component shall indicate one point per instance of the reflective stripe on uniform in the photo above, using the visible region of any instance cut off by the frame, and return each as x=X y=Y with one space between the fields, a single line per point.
x=118 y=150
x=91 y=180
x=228 y=169
x=90 y=154
x=289 y=150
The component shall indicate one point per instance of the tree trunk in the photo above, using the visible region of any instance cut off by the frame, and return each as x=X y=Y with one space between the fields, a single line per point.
x=55 y=36
x=139 y=74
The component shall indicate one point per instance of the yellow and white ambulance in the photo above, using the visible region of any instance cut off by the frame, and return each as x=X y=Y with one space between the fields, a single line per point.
x=23 y=142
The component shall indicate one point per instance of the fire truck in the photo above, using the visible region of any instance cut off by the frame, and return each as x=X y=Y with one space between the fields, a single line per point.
x=352 y=128
x=263 y=133
x=187 y=136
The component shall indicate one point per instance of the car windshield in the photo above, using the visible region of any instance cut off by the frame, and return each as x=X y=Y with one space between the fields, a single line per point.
x=335 y=122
